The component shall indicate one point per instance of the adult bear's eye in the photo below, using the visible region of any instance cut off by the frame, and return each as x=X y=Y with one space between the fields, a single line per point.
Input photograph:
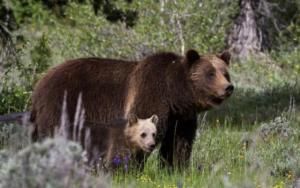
x=211 y=74
x=153 y=134
x=143 y=135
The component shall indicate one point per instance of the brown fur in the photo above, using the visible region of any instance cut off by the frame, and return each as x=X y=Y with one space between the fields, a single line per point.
x=75 y=76
x=173 y=87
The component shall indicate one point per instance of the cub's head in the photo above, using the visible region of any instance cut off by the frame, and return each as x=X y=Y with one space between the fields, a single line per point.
x=141 y=133
x=210 y=80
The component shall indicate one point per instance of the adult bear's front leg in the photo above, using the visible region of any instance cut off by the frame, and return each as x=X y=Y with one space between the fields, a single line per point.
x=185 y=133
x=166 y=153
x=177 y=144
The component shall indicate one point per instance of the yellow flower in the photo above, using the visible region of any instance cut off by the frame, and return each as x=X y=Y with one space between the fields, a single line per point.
x=279 y=185
x=244 y=146
x=241 y=156
x=290 y=175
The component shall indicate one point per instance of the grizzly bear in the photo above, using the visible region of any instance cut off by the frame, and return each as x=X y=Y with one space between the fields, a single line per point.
x=120 y=143
x=174 y=87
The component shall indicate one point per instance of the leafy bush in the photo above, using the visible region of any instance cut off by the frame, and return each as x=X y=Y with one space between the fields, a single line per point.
x=52 y=163
x=282 y=136
x=13 y=137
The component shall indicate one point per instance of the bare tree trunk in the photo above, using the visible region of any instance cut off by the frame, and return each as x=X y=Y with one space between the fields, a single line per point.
x=7 y=48
x=245 y=37
x=4 y=43
x=258 y=25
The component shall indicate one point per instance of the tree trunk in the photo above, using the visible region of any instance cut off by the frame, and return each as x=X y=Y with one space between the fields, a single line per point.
x=7 y=48
x=245 y=39
x=5 y=42
x=258 y=26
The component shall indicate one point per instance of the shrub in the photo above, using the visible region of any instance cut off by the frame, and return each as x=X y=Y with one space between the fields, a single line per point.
x=52 y=163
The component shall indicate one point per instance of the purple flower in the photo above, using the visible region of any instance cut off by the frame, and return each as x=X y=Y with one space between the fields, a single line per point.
x=117 y=160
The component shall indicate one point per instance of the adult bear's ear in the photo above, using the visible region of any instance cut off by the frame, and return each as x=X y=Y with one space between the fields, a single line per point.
x=132 y=119
x=154 y=119
x=192 y=56
x=225 y=56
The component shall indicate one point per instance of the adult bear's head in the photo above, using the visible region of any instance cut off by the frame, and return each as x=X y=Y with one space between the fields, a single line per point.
x=210 y=80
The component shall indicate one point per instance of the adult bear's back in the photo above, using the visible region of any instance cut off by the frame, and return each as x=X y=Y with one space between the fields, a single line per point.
x=102 y=83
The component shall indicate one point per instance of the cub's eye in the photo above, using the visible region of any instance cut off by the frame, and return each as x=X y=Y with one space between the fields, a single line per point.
x=153 y=134
x=143 y=135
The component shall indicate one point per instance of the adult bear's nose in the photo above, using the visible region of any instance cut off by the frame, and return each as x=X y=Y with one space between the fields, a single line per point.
x=229 y=89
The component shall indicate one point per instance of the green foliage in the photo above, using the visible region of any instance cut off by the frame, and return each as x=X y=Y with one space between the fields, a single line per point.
x=13 y=98
x=40 y=61
x=27 y=11
x=288 y=21
x=74 y=36
x=20 y=76
x=289 y=60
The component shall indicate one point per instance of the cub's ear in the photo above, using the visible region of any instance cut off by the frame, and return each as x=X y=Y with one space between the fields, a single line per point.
x=132 y=119
x=192 y=56
x=225 y=56
x=154 y=119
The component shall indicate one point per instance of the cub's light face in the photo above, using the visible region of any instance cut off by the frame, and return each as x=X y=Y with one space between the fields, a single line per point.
x=146 y=133
x=142 y=133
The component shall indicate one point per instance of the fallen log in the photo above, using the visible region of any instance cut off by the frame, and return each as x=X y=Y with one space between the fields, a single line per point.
x=15 y=117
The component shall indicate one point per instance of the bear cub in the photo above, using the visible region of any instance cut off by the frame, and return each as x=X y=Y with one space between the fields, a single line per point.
x=117 y=144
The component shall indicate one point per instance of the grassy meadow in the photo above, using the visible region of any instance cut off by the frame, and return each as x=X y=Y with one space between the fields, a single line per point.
x=252 y=140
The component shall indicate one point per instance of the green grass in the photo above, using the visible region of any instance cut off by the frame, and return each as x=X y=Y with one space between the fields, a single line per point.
x=229 y=156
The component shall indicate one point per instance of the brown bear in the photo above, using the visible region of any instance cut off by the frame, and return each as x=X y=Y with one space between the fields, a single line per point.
x=174 y=87
x=116 y=144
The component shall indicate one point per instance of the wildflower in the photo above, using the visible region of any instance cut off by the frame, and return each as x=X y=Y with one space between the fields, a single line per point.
x=117 y=160
x=279 y=185
x=245 y=146
x=290 y=175
x=145 y=179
